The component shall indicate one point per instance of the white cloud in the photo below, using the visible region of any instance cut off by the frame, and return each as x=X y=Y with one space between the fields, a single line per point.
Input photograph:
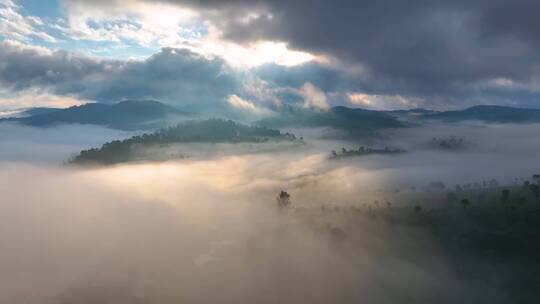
x=147 y=24
x=255 y=54
x=14 y=25
x=33 y=98
x=381 y=102
x=313 y=97
x=245 y=105
x=237 y=102
x=262 y=91
x=158 y=25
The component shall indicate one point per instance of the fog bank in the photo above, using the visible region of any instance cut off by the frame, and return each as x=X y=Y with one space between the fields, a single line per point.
x=206 y=229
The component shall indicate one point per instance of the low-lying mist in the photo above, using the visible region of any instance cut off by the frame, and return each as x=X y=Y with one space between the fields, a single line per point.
x=50 y=146
x=206 y=229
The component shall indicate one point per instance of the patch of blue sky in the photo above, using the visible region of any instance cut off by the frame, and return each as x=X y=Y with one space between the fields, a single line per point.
x=113 y=24
x=125 y=51
x=45 y=9
x=55 y=25
x=108 y=49
x=128 y=47
x=193 y=31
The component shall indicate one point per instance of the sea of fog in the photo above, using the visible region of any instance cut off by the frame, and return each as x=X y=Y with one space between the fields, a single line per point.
x=205 y=229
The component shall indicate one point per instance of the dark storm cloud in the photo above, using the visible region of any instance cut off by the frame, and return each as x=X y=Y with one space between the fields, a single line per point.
x=446 y=53
x=426 y=48
x=23 y=67
x=176 y=76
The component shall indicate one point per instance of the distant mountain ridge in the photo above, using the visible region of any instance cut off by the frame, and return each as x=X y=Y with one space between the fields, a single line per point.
x=38 y=111
x=488 y=113
x=416 y=111
x=130 y=114
x=351 y=120
x=151 y=114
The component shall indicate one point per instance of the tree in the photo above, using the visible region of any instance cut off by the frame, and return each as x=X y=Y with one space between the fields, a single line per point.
x=493 y=183
x=283 y=199
x=505 y=195
x=465 y=203
x=535 y=189
x=451 y=197
x=536 y=179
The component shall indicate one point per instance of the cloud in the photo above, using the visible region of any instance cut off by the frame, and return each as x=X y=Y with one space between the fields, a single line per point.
x=155 y=25
x=313 y=97
x=70 y=234
x=144 y=23
x=246 y=105
x=84 y=235
x=50 y=146
x=253 y=54
x=443 y=55
x=15 y=25
x=176 y=76
x=29 y=98
x=434 y=42
x=321 y=75
x=383 y=102
x=24 y=67
x=432 y=50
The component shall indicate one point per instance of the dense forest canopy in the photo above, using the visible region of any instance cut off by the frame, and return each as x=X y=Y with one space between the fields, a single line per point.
x=364 y=151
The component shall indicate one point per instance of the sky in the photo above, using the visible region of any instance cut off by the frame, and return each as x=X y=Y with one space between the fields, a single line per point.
x=259 y=57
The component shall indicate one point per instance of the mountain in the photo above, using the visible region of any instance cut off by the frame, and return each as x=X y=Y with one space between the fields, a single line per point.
x=353 y=122
x=207 y=131
x=350 y=120
x=415 y=111
x=488 y=113
x=25 y=112
x=38 y=111
x=130 y=114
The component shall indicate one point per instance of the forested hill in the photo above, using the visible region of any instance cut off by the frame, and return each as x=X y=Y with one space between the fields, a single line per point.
x=207 y=131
